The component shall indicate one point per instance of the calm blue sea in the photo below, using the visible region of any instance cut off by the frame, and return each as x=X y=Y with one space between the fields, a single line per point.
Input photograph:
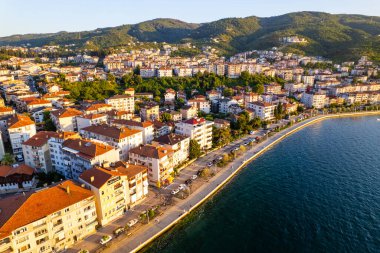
x=317 y=191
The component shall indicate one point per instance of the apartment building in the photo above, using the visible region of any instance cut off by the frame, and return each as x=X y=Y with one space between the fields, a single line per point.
x=164 y=72
x=146 y=127
x=79 y=155
x=189 y=112
x=272 y=88
x=47 y=220
x=122 y=102
x=36 y=151
x=123 y=139
x=56 y=152
x=149 y=111
x=180 y=145
x=66 y=119
x=90 y=120
x=263 y=110
x=159 y=161
x=250 y=97
x=97 y=108
x=197 y=129
x=6 y=111
x=169 y=95
x=201 y=104
x=117 y=187
x=20 y=129
x=314 y=100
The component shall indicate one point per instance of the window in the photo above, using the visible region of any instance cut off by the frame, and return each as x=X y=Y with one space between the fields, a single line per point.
x=24 y=248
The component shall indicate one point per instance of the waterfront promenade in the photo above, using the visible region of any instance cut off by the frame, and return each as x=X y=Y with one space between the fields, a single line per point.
x=148 y=233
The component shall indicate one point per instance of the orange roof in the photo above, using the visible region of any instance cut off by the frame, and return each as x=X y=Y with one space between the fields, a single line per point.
x=6 y=170
x=65 y=113
x=38 y=102
x=6 y=109
x=126 y=122
x=93 y=116
x=18 y=120
x=111 y=131
x=96 y=107
x=41 y=138
x=151 y=151
x=86 y=148
x=23 y=209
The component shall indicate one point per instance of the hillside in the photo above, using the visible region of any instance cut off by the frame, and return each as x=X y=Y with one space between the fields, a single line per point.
x=340 y=37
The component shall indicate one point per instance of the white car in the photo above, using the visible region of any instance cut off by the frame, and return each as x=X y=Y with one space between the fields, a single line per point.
x=175 y=191
x=182 y=186
x=252 y=132
x=105 y=239
x=210 y=164
x=193 y=177
x=131 y=223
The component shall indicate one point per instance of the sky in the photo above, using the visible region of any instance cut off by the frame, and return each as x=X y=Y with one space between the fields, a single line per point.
x=42 y=16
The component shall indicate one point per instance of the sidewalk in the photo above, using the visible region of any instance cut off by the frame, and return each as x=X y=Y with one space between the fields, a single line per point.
x=145 y=234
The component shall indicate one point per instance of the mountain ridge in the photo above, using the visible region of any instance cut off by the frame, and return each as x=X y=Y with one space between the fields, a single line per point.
x=331 y=35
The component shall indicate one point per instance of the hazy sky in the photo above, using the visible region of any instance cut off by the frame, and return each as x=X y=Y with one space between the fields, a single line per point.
x=40 y=16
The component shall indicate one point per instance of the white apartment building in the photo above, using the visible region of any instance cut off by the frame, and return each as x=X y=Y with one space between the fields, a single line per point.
x=180 y=145
x=147 y=72
x=263 y=110
x=36 y=151
x=150 y=111
x=117 y=187
x=79 y=155
x=159 y=161
x=123 y=139
x=197 y=129
x=56 y=152
x=170 y=95
x=146 y=127
x=122 y=102
x=47 y=220
x=20 y=129
x=164 y=72
x=90 y=120
x=201 y=104
x=65 y=119
x=314 y=100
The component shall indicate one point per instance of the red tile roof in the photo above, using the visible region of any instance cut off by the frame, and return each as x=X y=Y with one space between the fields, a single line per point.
x=86 y=148
x=19 y=120
x=41 y=138
x=23 y=209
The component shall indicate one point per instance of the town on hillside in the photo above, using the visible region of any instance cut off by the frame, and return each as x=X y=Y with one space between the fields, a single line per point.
x=86 y=139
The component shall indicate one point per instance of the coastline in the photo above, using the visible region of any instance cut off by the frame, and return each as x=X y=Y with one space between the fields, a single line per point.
x=175 y=214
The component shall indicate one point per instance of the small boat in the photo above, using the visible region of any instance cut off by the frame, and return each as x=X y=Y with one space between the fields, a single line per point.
x=378 y=119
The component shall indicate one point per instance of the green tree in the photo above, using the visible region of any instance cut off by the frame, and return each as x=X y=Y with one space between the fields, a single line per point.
x=221 y=136
x=48 y=122
x=8 y=159
x=195 y=149
x=166 y=117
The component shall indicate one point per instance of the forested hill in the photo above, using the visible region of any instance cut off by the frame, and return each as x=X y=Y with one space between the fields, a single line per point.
x=340 y=37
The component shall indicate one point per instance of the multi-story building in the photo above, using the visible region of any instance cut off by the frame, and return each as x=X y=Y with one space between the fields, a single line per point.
x=201 y=104
x=47 y=220
x=6 y=111
x=145 y=127
x=79 y=155
x=159 y=161
x=36 y=151
x=90 y=120
x=170 y=95
x=147 y=72
x=263 y=110
x=117 y=187
x=314 y=100
x=197 y=129
x=250 y=97
x=20 y=129
x=180 y=145
x=164 y=72
x=16 y=177
x=65 y=119
x=97 y=108
x=123 y=139
x=189 y=112
x=149 y=111
x=122 y=102
x=56 y=152
x=272 y=88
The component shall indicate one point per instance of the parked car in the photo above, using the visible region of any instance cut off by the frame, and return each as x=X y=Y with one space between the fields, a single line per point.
x=19 y=158
x=252 y=132
x=105 y=239
x=210 y=164
x=193 y=177
x=175 y=191
x=189 y=181
x=133 y=222
x=199 y=172
x=83 y=251
x=118 y=231
x=182 y=186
